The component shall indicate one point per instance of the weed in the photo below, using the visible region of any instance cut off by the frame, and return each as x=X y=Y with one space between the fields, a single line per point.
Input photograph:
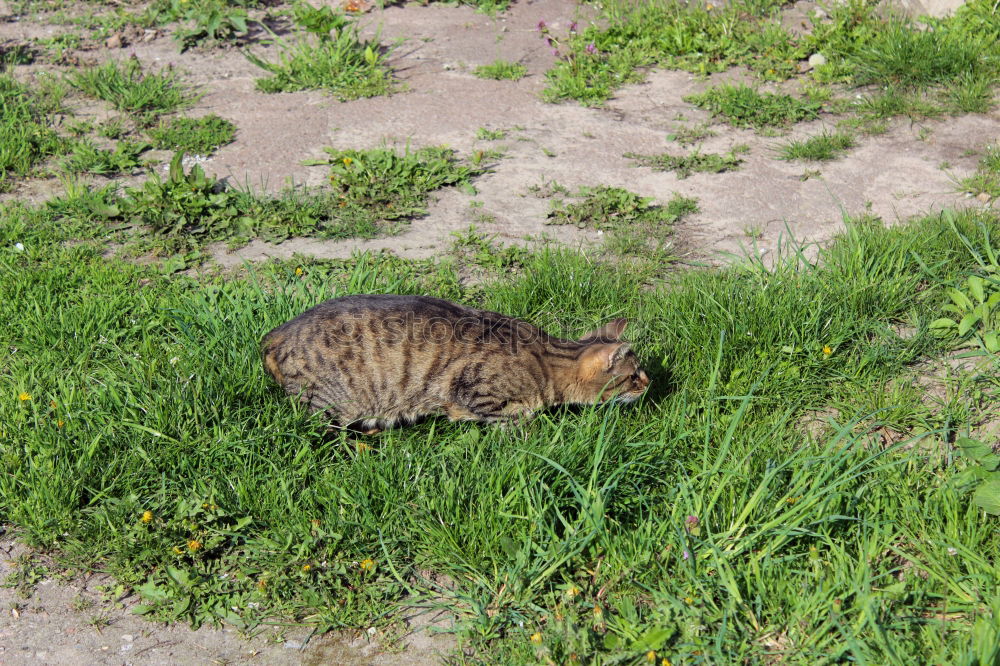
x=895 y=102
x=84 y=157
x=124 y=85
x=974 y=310
x=396 y=185
x=970 y=94
x=340 y=64
x=986 y=179
x=502 y=70
x=697 y=38
x=818 y=148
x=744 y=106
x=686 y=135
x=25 y=133
x=486 y=134
x=635 y=226
x=694 y=162
x=15 y=54
x=113 y=128
x=983 y=474
x=474 y=248
x=186 y=210
x=199 y=136
x=204 y=22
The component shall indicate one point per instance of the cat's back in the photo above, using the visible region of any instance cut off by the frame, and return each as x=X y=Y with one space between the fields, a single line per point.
x=393 y=347
x=372 y=314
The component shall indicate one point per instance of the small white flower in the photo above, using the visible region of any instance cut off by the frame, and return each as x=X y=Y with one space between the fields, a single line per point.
x=952 y=551
x=174 y=360
x=371 y=631
x=19 y=247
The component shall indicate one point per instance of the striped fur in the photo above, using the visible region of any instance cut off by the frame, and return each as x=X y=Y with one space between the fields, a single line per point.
x=380 y=360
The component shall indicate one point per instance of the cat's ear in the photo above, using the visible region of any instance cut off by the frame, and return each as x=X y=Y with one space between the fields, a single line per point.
x=610 y=331
x=602 y=358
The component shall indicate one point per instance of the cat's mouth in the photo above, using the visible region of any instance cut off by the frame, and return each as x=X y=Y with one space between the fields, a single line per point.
x=628 y=398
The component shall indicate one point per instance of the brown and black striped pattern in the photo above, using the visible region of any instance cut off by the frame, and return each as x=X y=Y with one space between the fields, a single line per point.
x=380 y=360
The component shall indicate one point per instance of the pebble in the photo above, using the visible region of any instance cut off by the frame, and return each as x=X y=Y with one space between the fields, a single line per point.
x=983 y=197
x=817 y=60
x=127 y=638
x=292 y=645
x=114 y=42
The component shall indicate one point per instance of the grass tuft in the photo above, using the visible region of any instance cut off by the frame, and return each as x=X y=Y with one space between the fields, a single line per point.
x=694 y=162
x=818 y=148
x=744 y=106
x=501 y=70
x=26 y=136
x=336 y=60
x=124 y=85
x=199 y=136
x=85 y=157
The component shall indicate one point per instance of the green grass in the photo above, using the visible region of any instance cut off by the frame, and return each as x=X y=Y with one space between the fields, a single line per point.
x=333 y=59
x=821 y=147
x=126 y=87
x=26 y=134
x=704 y=522
x=865 y=44
x=744 y=106
x=393 y=184
x=605 y=56
x=635 y=226
x=487 y=134
x=502 y=70
x=199 y=136
x=203 y=23
x=85 y=157
x=986 y=179
x=694 y=162
x=375 y=192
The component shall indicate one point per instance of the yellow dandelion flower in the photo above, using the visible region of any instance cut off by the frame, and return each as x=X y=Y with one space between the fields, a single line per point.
x=60 y=423
x=536 y=638
x=298 y=271
x=307 y=568
x=367 y=564
x=665 y=662
x=347 y=161
x=651 y=657
x=178 y=551
x=827 y=350
x=572 y=591
x=709 y=7
x=194 y=545
x=147 y=516
x=688 y=600
x=598 y=611
x=23 y=396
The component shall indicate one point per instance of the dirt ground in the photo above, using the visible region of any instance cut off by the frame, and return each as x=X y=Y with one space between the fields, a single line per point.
x=895 y=175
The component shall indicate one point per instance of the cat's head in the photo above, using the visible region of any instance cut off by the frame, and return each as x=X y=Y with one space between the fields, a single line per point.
x=608 y=369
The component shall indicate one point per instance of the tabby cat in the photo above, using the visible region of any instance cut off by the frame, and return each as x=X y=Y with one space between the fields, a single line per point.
x=379 y=360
